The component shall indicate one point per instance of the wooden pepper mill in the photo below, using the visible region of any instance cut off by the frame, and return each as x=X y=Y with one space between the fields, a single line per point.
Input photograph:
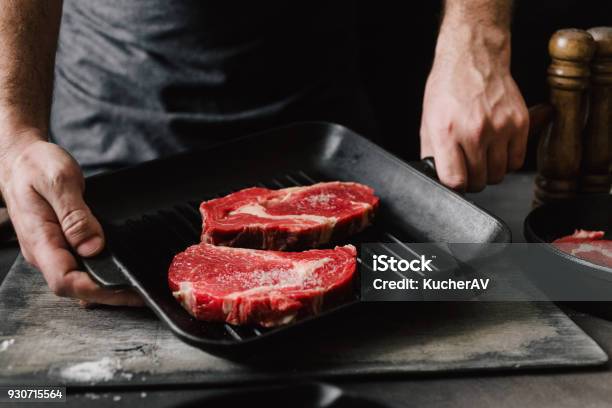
x=560 y=148
x=597 y=141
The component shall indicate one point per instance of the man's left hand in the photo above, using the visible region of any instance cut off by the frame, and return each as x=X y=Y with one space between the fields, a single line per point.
x=475 y=121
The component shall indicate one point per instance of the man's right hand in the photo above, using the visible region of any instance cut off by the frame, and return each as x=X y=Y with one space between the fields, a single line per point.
x=42 y=186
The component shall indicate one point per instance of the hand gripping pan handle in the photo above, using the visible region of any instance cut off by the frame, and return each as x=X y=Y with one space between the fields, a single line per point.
x=540 y=116
x=106 y=271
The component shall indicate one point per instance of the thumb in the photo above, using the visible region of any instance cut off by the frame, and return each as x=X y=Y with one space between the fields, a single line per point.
x=81 y=229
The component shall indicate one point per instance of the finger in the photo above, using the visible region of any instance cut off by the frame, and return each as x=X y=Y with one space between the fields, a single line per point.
x=45 y=244
x=84 y=288
x=476 y=163
x=60 y=269
x=426 y=148
x=497 y=162
x=450 y=165
x=42 y=239
x=517 y=147
x=22 y=248
x=81 y=229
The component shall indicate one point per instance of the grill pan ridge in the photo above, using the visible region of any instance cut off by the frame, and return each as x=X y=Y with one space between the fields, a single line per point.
x=141 y=245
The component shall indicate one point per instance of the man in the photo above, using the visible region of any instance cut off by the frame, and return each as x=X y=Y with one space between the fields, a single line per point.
x=137 y=80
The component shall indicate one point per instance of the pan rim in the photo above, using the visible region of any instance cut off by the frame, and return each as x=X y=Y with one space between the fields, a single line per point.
x=532 y=236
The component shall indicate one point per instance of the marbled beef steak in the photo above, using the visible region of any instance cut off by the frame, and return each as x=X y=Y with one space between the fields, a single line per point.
x=290 y=218
x=267 y=288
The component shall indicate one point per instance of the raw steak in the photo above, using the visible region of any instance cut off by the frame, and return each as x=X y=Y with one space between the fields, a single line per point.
x=588 y=245
x=288 y=219
x=267 y=288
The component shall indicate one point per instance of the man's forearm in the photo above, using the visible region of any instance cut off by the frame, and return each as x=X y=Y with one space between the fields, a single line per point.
x=497 y=13
x=474 y=120
x=476 y=26
x=28 y=41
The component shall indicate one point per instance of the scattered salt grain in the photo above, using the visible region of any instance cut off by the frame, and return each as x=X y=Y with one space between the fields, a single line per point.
x=321 y=200
x=117 y=398
x=101 y=370
x=143 y=395
x=5 y=344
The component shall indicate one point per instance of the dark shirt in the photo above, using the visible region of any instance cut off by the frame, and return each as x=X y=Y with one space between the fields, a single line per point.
x=135 y=80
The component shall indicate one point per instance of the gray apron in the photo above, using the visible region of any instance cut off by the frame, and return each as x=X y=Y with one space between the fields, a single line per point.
x=137 y=80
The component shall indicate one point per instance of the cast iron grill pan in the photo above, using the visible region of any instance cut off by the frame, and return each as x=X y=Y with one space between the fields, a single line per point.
x=161 y=218
x=146 y=245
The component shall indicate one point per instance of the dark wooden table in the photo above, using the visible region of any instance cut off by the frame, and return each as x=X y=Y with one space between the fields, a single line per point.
x=587 y=388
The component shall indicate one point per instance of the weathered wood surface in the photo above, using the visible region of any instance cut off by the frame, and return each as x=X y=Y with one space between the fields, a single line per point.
x=45 y=339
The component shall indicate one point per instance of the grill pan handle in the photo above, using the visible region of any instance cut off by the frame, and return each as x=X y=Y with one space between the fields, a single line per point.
x=540 y=116
x=106 y=271
x=428 y=166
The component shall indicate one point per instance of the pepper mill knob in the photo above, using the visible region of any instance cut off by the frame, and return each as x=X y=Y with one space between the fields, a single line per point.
x=560 y=148
x=603 y=41
x=571 y=44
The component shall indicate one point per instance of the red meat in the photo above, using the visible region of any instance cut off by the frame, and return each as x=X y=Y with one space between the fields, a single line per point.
x=581 y=235
x=288 y=219
x=588 y=245
x=267 y=288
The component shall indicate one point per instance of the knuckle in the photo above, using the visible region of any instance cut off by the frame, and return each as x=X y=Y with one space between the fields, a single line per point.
x=496 y=178
x=59 y=287
x=58 y=177
x=500 y=122
x=475 y=131
x=25 y=160
x=455 y=182
x=440 y=131
x=447 y=128
x=75 y=223
x=521 y=121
